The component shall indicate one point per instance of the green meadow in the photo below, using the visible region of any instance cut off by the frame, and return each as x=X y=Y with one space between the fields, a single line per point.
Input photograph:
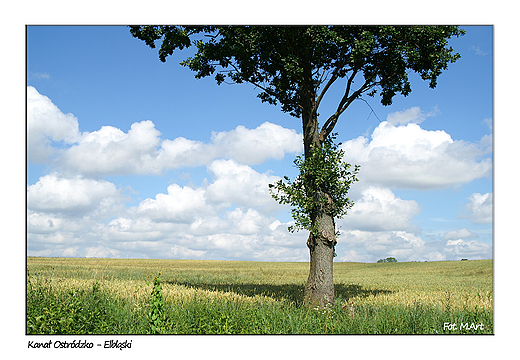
x=120 y=296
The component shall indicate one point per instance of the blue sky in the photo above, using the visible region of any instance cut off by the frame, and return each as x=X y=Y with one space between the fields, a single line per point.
x=132 y=157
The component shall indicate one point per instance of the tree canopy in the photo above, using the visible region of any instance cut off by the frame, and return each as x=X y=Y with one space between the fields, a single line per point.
x=292 y=64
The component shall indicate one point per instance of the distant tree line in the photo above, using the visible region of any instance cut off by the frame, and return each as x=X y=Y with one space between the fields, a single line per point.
x=388 y=259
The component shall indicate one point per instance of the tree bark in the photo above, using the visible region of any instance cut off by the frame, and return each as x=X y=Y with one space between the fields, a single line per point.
x=319 y=289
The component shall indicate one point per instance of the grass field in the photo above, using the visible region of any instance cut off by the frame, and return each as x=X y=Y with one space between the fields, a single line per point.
x=118 y=296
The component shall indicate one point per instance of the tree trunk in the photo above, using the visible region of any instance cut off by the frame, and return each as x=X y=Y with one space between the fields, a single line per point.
x=319 y=290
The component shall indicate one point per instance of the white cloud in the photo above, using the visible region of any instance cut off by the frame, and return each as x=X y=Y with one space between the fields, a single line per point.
x=240 y=184
x=63 y=214
x=182 y=252
x=411 y=157
x=179 y=205
x=41 y=223
x=459 y=234
x=478 y=51
x=412 y=115
x=38 y=75
x=353 y=256
x=248 y=221
x=479 y=208
x=55 y=193
x=488 y=122
x=255 y=146
x=67 y=239
x=184 y=222
x=100 y=252
x=379 y=209
x=125 y=229
x=46 y=123
x=111 y=151
x=373 y=246
x=181 y=152
x=281 y=254
x=370 y=246
x=231 y=215
x=209 y=225
x=472 y=249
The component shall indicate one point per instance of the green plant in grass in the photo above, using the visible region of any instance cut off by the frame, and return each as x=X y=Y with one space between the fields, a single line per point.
x=156 y=314
x=72 y=312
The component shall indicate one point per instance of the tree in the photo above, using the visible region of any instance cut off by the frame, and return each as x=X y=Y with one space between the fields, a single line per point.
x=387 y=260
x=295 y=67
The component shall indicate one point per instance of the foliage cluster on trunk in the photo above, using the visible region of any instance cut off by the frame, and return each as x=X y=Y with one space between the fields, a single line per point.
x=322 y=185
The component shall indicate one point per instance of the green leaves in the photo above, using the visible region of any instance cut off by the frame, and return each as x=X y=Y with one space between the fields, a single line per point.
x=72 y=312
x=322 y=185
x=278 y=60
x=156 y=314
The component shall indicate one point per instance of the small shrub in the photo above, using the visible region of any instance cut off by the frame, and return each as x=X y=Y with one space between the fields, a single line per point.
x=156 y=313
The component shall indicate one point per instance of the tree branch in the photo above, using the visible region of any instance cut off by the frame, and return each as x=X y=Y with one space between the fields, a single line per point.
x=334 y=117
x=343 y=105
x=332 y=79
x=335 y=75
x=267 y=90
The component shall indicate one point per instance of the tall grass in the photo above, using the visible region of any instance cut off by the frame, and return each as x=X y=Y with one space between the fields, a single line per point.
x=99 y=296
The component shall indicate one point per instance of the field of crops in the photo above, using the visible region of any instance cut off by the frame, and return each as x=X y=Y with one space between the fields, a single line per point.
x=118 y=296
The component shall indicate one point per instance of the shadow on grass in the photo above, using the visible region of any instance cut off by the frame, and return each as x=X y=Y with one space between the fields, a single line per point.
x=349 y=291
x=290 y=292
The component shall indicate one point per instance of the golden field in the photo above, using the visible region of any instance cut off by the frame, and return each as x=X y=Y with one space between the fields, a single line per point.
x=447 y=284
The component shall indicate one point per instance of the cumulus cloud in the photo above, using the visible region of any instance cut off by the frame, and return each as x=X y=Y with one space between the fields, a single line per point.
x=100 y=252
x=372 y=246
x=459 y=234
x=46 y=124
x=378 y=209
x=255 y=146
x=73 y=212
x=128 y=229
x=241 y=185
x=182 y=252
x=236 y=234
x=224 y=219
x=179 y=205
x=54 y=193
x=63 y=213
x=479 y=208
x=55 y=235
x=248 y=221
x=412 y=115
x=405 y=246
x=353 y=256
x=411 y=157
x=472 y=249
x=40 y=223
x=233 y=185
x=181 y=152
x=111 y=151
